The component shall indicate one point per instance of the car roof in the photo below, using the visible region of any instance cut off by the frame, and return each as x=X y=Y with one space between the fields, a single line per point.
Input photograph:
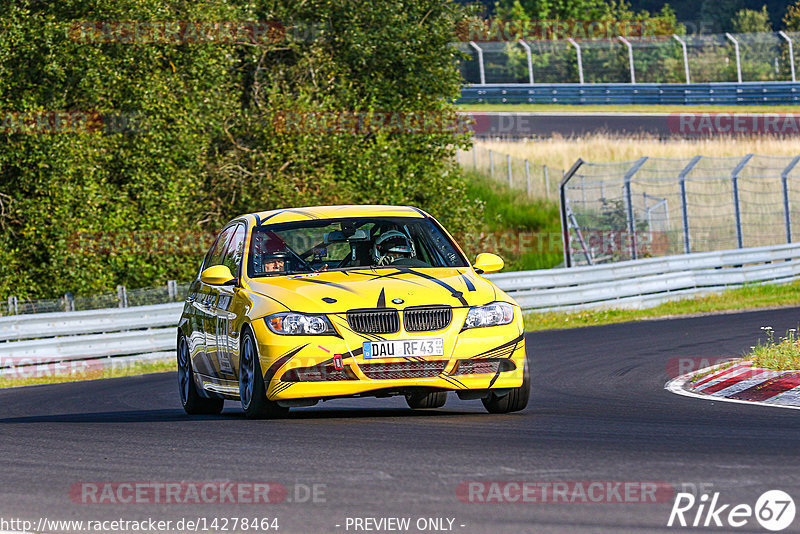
x=334 y=212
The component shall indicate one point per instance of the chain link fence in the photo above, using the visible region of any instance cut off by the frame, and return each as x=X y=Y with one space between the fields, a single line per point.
x=755 y=57
x=659 y=207
x=538 y=181
x=123 y=298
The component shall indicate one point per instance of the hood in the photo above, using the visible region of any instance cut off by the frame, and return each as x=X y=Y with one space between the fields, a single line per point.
x=339 y=291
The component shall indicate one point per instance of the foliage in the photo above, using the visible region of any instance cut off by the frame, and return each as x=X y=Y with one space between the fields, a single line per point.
x=206 y=142
x=752 y=21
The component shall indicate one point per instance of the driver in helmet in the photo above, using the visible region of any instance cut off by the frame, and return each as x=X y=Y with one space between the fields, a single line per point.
x=393 y=247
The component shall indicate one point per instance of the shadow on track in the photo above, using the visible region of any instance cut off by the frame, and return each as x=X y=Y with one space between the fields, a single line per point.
x=171 y=415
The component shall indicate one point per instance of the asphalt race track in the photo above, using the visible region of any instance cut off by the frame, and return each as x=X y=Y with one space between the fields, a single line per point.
x=598 y=412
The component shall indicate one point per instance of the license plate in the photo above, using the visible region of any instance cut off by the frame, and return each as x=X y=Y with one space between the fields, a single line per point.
x=403 y=348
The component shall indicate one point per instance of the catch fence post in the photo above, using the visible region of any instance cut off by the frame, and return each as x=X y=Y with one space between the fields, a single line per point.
x=785 y=185
x=629 y=198
x=546 y=183
x=736 y=208
x=528 y=177
x=684 y=206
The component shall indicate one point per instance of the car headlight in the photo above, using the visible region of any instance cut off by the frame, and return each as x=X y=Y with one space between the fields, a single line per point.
x=299 y=324
x=493 y=314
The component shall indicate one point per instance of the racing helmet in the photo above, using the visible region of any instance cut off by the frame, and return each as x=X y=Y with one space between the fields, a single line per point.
x=392 y=243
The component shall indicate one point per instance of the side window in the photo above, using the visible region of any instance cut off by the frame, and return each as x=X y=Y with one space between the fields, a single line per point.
x=217 y=253
x=235 y=250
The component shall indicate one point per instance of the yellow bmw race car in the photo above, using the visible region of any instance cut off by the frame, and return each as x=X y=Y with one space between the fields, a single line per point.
x=295 y=306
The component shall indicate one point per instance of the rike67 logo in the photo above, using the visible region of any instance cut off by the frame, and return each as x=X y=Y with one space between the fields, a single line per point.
x=774 y=510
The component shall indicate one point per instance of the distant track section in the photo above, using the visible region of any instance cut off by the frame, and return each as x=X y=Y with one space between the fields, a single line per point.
x=679 y=125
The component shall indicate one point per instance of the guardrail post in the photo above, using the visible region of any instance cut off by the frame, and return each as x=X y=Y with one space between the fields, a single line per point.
x=791 y=53
x=580 y=60
x=687 y=249
x=458 y=162
x=510 y=176
x=785 y=185
x=172 y=289
x=69 y=302
x=474 y=157
x=630 y=57
x=527 y=48
x=685 y=57
x=480 y=61
x=491 y=164
x=738 y=58
x=13 y=306
x=562 y=204
x=528 y=177
x=629 y=197
x=122 y=296
x=736 y=208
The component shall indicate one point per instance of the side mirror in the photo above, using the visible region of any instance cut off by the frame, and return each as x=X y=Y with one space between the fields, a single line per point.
x=218 y=275
x=488 y=263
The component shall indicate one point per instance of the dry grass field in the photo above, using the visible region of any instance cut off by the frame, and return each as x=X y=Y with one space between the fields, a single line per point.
x=562 y=153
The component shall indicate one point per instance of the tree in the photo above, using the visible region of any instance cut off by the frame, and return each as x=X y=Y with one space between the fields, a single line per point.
x=752 y=21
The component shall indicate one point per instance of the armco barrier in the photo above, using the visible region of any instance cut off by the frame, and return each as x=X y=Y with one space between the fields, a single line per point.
x=650 y=281
x=637 y=283
x=727 y=93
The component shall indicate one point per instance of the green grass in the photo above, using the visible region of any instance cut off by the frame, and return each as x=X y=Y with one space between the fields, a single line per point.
x=521 y=225
x=782 y=355
x=749 y=297
x=29 y=378
x=630 y=108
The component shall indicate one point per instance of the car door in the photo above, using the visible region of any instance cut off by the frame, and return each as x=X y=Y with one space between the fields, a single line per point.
x=206 y=305
x=226 y=337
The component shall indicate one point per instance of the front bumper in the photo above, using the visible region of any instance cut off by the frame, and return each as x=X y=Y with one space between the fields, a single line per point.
x=299 y=367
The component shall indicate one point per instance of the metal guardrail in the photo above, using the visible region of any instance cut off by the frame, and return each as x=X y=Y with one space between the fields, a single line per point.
x=47 y=338
x=727 y=93
x=650 y=281
x=20 y=327
x=146 y=330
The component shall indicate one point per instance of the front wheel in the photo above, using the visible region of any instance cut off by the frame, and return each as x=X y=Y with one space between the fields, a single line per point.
x=193 y=403
x=252 y=390
x=515 y=400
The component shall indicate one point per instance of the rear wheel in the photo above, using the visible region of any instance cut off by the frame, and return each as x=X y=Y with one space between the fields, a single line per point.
x=515 y=400
x=252 y=390
x=433 y=399
x=191 y=400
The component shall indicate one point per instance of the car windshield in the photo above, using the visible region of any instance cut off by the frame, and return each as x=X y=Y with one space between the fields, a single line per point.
x=328 y=244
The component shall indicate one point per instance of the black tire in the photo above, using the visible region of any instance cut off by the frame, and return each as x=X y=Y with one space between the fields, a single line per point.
x=424 y=400
x=515 y=400
x=193 y=403
x=252 y=392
